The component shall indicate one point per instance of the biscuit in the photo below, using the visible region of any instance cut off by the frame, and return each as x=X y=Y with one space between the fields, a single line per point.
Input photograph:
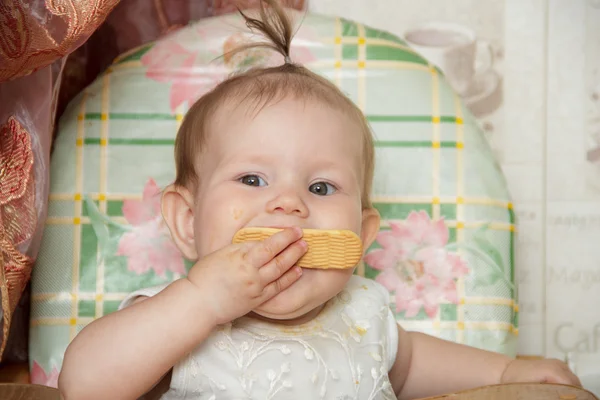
x=327 y=249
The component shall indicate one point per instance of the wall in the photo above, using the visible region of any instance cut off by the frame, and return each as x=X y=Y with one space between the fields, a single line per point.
x=539 y=104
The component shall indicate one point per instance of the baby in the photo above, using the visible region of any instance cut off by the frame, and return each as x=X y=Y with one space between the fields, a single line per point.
x=277 y=147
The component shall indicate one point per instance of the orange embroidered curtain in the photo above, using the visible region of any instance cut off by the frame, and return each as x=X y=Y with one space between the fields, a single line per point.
x=49 y=51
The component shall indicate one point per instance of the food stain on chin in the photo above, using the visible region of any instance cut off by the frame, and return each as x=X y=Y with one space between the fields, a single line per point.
x=237 y=214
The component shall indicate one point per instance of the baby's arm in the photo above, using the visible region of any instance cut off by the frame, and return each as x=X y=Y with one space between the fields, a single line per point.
x=122 y=355
x=427 y=366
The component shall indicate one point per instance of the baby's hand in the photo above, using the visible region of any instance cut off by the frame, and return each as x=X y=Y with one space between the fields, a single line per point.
x=236 y=279
x=539 y=371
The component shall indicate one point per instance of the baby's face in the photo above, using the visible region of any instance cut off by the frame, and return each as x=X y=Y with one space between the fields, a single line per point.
x=295 y=163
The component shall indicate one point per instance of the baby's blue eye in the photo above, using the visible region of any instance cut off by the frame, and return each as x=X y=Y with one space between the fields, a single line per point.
x=253 y=180
x=322 y=188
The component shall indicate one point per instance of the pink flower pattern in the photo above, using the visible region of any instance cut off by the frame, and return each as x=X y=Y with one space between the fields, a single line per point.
x=189 y=59
x=184 y=67
x=416 y=265
x=148 y=245
x=39 y=376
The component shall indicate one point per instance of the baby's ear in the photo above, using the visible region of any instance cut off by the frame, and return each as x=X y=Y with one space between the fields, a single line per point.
x=177 y=210
x=370 y=227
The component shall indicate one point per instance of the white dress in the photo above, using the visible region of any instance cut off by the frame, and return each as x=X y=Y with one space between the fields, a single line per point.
x=344 y=353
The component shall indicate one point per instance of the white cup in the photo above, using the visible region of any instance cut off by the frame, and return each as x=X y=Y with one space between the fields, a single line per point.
x=454 y=49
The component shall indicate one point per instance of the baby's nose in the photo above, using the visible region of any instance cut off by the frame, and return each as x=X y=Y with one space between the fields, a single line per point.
x=288 y=202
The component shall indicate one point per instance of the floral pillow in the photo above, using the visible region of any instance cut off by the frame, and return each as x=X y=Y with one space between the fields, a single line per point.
x=145 y=243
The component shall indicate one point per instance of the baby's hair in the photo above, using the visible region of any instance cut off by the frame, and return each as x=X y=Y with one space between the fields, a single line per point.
x=275 y=26
x=260 y=86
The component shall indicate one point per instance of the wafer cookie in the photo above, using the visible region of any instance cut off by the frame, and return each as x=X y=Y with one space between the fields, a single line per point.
x=327 y=249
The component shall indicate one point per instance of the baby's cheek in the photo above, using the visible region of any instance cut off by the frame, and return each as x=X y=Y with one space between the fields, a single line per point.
x=342 y=216
x=212 y=239
x=209 y=229
x=237 y=213
x=219 y=224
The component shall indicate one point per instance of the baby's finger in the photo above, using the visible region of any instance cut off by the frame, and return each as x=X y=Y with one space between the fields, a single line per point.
x=279 y=285
x=285 y=260
x=265 y=251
